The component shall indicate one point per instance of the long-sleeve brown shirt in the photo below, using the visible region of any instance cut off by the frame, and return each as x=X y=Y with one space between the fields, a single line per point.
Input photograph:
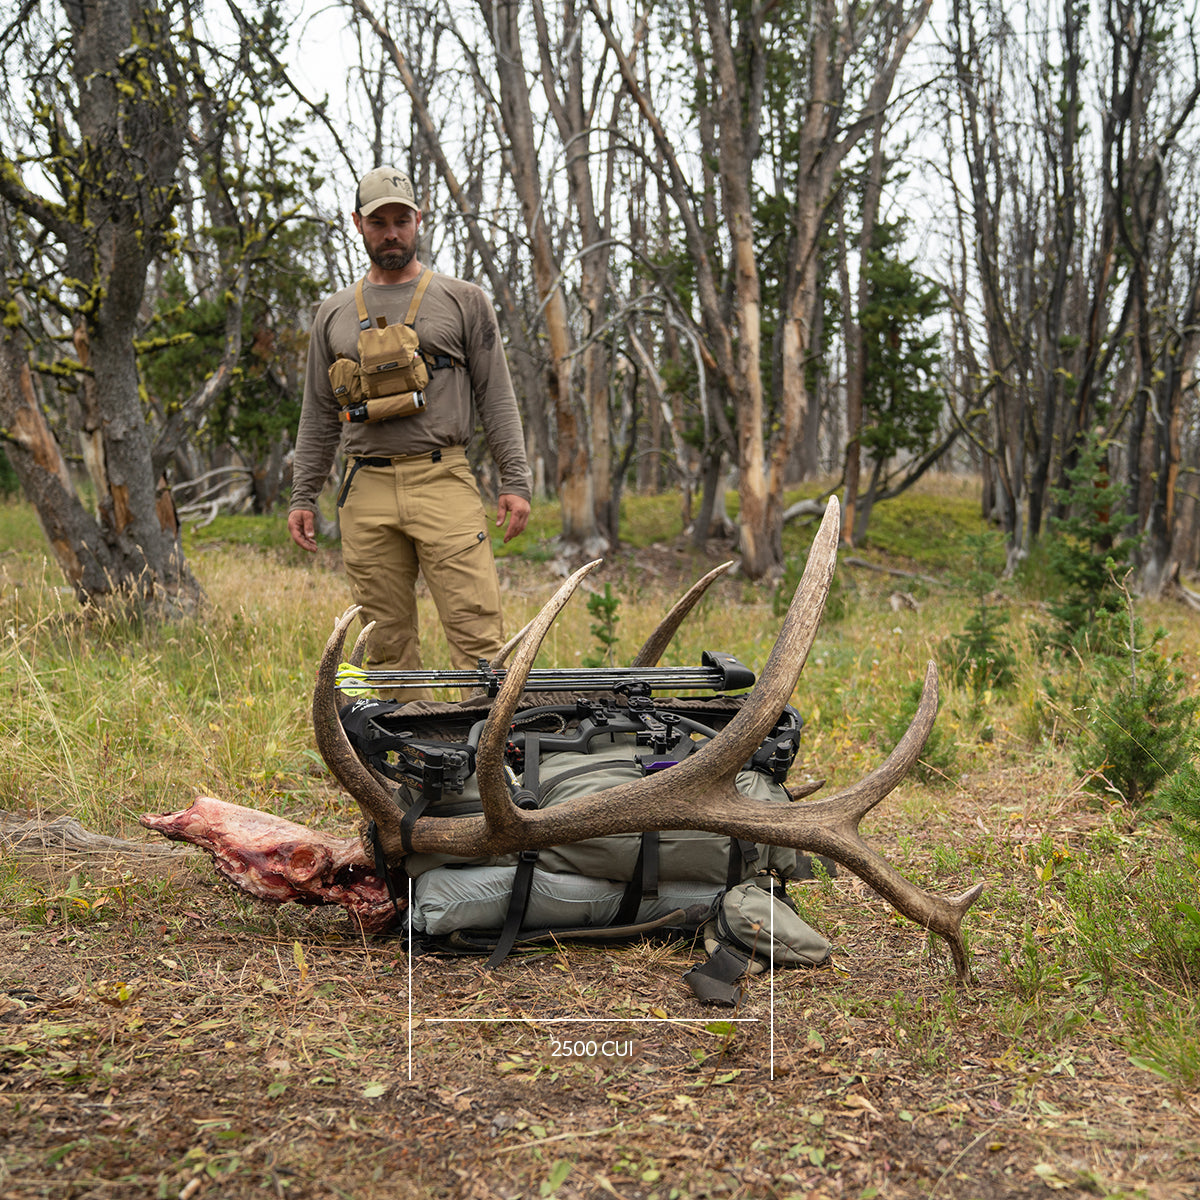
x=455 y=319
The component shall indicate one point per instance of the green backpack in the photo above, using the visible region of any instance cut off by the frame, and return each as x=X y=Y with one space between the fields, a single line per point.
x=754 y=926
x=616 y=887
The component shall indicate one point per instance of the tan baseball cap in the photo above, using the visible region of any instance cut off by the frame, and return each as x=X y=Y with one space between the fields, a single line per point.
x=384 y=185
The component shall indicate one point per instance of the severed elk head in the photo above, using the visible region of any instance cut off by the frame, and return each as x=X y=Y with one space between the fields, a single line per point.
x=696 y=793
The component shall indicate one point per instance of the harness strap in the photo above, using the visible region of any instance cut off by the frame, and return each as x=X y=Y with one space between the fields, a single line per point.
x=440 y=362
x=418 y=296
x=518 y=899
x=360 y=302
x=435 y=362
x=381 y=864
x=364 y=320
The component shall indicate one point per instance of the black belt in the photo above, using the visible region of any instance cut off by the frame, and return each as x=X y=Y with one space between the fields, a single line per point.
x=434 y=456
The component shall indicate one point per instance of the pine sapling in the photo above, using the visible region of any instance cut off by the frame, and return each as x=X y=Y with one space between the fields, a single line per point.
x=604 y=608
x=982 y=658
x=1141 y=724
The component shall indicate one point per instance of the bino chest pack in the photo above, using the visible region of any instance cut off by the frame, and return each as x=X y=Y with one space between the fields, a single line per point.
x=391 y=373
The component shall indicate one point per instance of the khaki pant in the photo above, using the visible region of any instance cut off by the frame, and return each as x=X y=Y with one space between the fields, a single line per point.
x=417 y=515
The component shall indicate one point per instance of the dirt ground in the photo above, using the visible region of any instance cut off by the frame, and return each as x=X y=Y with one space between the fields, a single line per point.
x=173 y=1039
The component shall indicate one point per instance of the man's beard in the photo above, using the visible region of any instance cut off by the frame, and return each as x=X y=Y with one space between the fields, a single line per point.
x=391 y=260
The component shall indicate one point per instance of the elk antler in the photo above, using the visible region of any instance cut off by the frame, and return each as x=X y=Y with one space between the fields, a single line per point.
x=374 y=799
x=660 y=639
x=697 y=793
x=657 y=642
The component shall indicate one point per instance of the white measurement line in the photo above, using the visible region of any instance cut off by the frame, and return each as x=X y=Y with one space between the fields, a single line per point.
x=583 y=1020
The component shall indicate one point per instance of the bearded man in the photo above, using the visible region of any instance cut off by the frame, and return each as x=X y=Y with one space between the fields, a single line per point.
x=409 y=502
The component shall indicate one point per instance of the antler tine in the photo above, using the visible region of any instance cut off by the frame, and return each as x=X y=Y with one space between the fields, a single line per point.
x=777 y=680
x=830 y=826
x=498 y=810
x=348 y=769
x=357 y=654
x=509 y=646
x=360 y=645
x=660 y=639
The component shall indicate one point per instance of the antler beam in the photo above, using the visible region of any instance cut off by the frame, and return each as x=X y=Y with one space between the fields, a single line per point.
x=697 y=793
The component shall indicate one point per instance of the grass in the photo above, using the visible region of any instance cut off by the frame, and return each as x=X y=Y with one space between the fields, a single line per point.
x=1085 y=941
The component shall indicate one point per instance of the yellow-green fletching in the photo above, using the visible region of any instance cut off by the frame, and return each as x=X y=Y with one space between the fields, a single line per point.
x=351 y=680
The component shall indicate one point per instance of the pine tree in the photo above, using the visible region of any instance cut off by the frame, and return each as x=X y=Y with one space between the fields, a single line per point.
x=1086 y=550
x=902 y=399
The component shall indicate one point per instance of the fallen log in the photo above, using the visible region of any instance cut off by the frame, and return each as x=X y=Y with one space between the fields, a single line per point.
x=24 y=835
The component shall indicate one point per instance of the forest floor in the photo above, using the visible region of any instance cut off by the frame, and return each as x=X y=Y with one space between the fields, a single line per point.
x=162 y=1036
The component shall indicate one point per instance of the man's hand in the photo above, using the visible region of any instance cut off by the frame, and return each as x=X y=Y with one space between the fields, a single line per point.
x=302 y=527
x=514 y=510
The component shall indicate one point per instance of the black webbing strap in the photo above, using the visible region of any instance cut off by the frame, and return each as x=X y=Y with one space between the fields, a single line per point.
x=712 y=982
x=643 y=883
x=650 y=846
x=381 y=864
x=440 y=362
x=531 y=777
x=742 y=855
x=355 y=464
x=434 y=456
x=518 y=898
x=518 y=902
x=414 y=812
